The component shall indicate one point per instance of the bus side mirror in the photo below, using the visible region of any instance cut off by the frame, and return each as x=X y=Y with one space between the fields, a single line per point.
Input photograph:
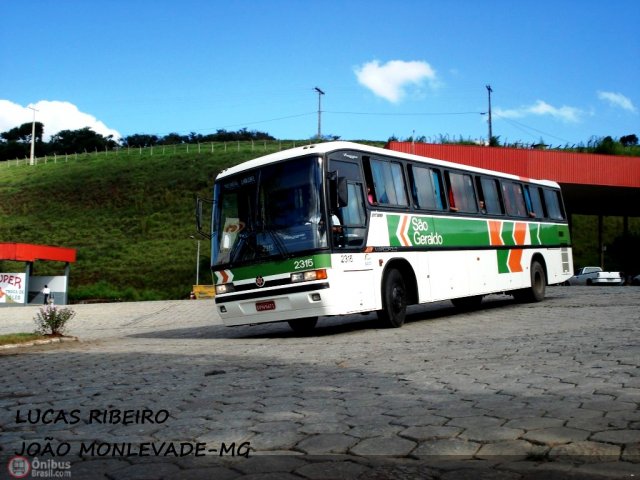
x=338 y=196
x=199 y=222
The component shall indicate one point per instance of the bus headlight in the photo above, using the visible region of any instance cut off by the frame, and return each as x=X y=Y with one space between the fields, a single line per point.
x=309 y=276
x=224 y=288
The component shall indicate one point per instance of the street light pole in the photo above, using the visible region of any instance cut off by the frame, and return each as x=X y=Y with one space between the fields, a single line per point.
x=33 y=136
x=320 y=93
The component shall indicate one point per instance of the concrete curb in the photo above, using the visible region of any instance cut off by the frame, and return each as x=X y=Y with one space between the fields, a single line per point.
x=34 y=343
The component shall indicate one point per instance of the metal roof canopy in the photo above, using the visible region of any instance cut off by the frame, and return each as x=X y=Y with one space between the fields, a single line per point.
x=592 y=184
x=26 y=252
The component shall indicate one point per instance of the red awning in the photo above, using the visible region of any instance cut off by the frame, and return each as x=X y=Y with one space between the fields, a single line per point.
x=26 y=252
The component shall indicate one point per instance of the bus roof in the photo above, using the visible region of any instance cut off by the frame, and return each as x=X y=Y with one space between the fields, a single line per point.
x=328 y=147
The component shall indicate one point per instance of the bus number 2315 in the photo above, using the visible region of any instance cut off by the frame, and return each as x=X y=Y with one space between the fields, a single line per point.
x=304 y=263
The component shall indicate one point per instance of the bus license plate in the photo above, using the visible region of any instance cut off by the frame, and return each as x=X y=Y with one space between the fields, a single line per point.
x=264 y=306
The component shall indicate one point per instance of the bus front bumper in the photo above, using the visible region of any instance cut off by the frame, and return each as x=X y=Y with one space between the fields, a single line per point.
x=275 y=305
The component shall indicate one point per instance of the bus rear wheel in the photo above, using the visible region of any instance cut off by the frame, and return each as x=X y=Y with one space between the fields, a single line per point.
x=538 y=288
x=394 y=300
x=303 y=326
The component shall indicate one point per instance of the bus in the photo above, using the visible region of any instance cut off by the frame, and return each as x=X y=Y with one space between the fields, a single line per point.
x=339 y=228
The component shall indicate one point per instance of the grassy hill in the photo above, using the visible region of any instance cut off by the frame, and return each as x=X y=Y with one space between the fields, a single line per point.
x=130 y=215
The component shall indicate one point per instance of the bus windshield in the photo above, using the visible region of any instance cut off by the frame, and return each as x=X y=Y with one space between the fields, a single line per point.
x=274 y=211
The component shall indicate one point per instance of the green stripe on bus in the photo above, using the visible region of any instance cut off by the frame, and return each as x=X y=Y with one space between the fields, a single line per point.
x=534 y=228
x=424 y=231
x=503 y=261
x=289 y=265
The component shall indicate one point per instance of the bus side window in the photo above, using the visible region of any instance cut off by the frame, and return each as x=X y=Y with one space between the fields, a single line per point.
x=527 y=202
x=450 y=196
x=436 y=177
x=535 y=206
x=425 y=186
x=514 y=199
x=352 y=226
x=553 y=204
x=388 y=181
x=491 y=196
x=462 y=197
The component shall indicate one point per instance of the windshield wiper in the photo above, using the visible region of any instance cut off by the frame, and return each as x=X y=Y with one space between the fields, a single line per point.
x=277 y=242
x=243 y=240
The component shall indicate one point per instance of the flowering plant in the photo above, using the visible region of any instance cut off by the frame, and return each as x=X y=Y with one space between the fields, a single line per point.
x=53 y=320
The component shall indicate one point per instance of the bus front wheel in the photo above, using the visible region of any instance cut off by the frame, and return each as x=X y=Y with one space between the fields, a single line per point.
x=394 y=300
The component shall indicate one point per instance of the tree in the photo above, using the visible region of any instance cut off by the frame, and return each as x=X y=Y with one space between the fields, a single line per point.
x=78 y=141
x=173 y=139
x=15 y=143
x=22 y=133
x=606 y=145
x=629 y=140
x=140 y=140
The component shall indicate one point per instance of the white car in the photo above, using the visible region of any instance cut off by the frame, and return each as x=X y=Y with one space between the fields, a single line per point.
x=595 y=276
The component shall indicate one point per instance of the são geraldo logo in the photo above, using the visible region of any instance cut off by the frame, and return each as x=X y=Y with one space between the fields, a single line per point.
x=414 y=231
x=19 y=467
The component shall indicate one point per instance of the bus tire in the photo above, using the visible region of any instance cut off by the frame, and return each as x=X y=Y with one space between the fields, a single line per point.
x=303 y=326
x=394 y=300
x=537 y=291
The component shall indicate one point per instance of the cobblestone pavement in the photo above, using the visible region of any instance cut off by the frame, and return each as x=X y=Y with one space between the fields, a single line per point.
x=510 y=391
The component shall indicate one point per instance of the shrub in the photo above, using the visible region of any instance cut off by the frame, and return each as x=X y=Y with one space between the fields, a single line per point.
x=53 y=320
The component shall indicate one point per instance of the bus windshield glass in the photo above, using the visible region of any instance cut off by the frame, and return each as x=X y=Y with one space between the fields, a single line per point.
x=270 y=212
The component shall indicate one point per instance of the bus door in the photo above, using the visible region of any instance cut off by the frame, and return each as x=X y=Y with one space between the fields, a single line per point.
x=349 y=233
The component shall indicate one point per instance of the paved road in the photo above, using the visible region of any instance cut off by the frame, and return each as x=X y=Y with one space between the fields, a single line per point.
x=549 y=390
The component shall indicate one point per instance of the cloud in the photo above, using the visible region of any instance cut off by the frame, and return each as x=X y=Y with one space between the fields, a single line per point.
x=391 y=80
x=55 y=116
x=541 y=108
x=617 y=100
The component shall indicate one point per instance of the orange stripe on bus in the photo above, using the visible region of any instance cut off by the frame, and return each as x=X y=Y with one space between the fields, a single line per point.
x=515 y=260
x=494 y=233
x=519 y=233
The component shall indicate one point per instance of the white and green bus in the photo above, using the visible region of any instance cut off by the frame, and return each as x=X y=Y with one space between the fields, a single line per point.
x=339 y=228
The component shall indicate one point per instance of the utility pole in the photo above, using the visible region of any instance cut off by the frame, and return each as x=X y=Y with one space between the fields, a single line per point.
x=33 y=136
x=490 y=127
x=320 y=93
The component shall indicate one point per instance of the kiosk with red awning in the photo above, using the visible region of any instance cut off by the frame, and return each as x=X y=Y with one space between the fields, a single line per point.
x=23 y=288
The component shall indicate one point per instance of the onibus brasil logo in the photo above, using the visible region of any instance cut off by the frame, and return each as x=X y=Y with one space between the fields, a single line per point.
x=21 y=467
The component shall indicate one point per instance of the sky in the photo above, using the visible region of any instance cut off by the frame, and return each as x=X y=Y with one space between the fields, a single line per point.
x=560 y=71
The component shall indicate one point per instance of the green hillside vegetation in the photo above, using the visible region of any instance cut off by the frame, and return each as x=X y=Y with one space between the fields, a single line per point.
x=130 y=215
